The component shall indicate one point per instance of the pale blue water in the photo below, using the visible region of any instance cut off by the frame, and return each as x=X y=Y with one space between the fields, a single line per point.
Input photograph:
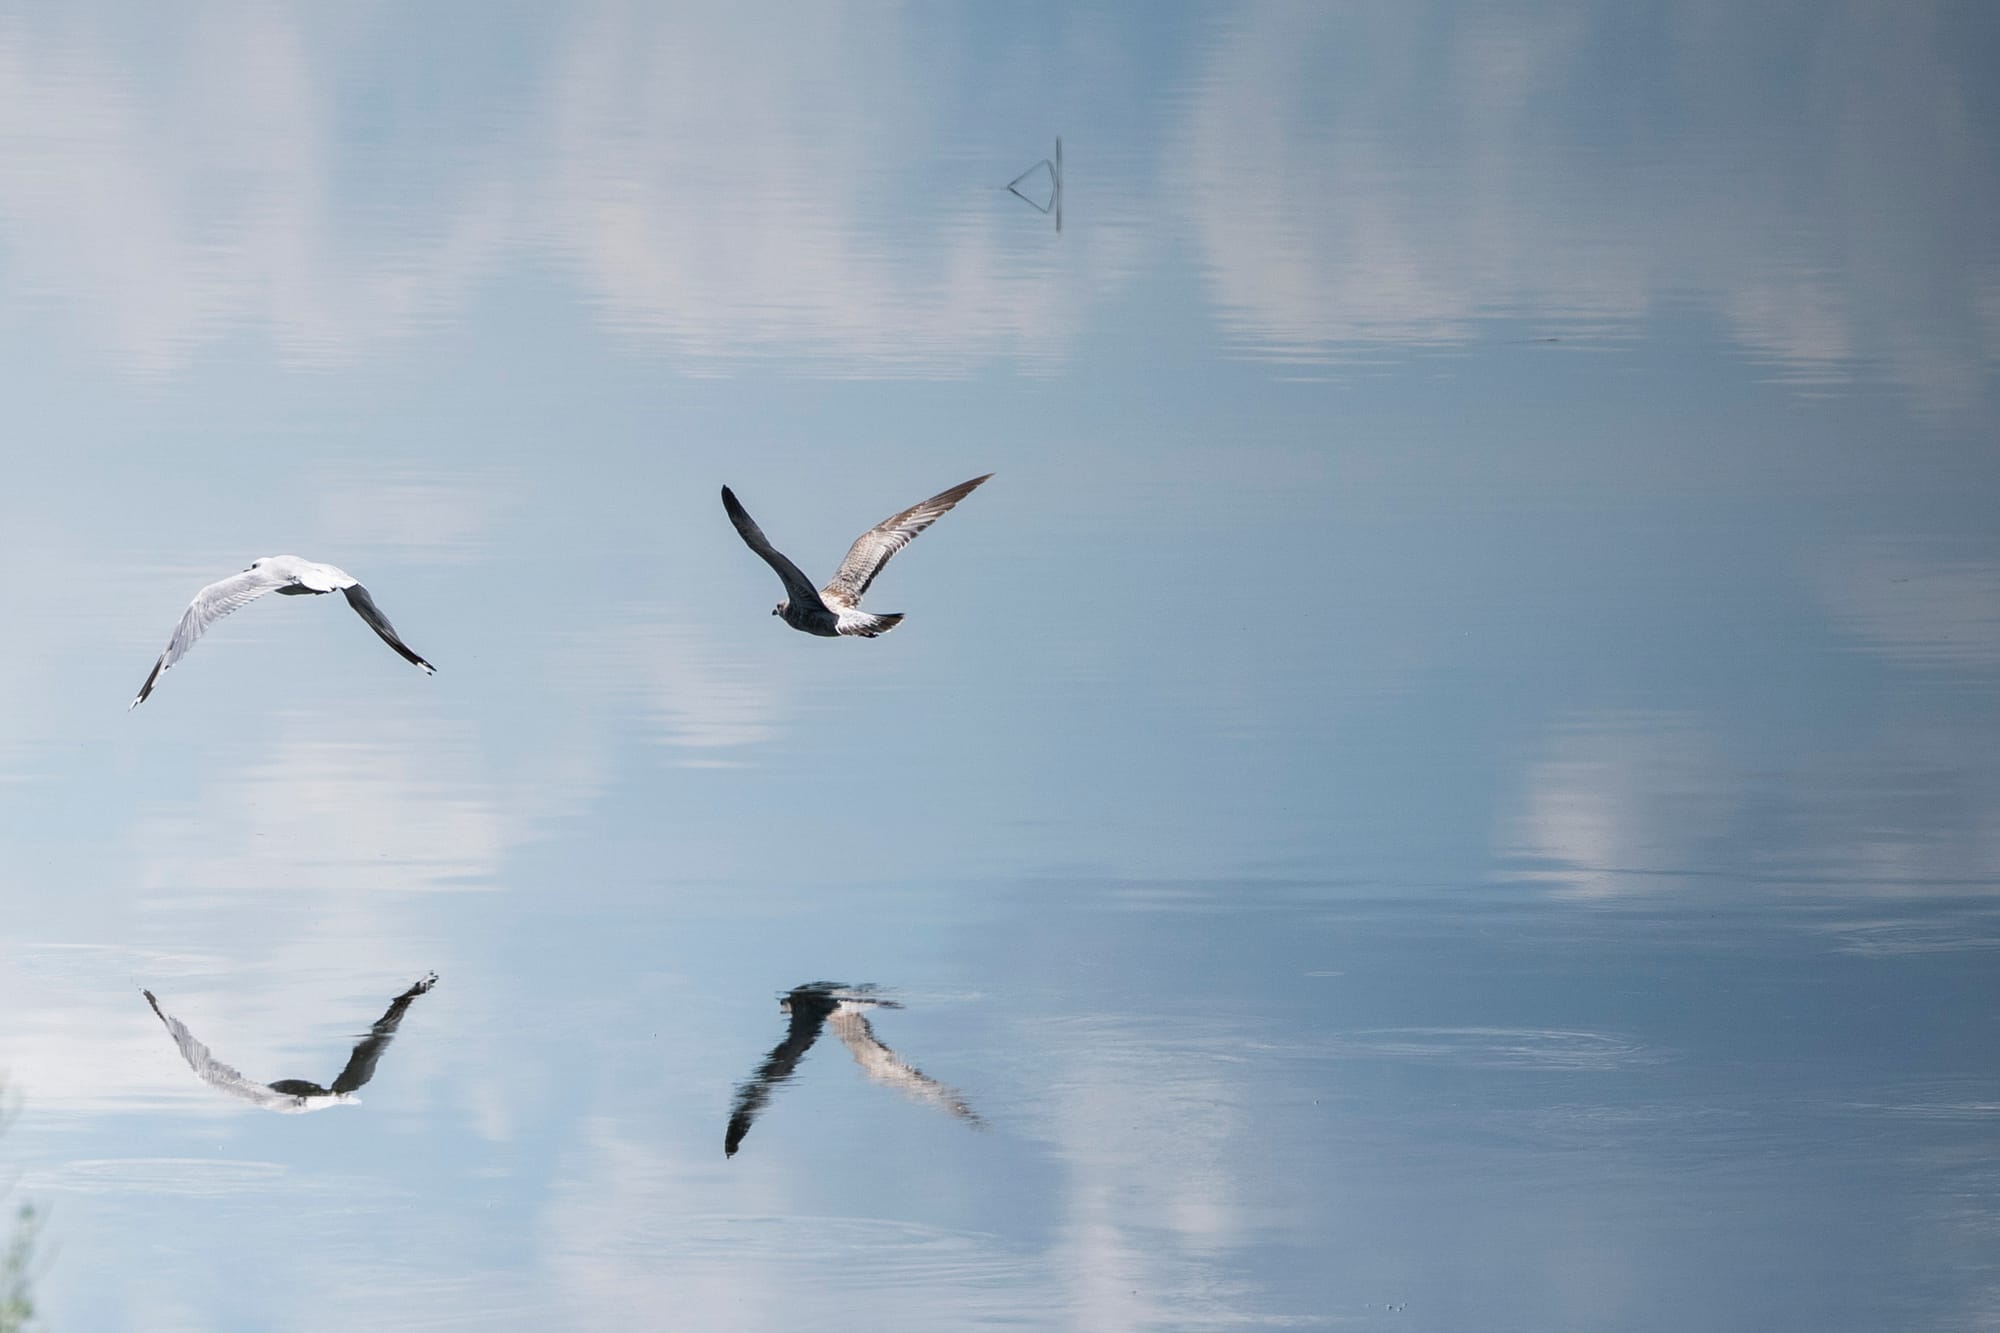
x=1448 y=782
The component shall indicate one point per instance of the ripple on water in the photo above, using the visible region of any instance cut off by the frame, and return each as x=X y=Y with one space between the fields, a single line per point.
x=192 y=1176
x=1495 y=1048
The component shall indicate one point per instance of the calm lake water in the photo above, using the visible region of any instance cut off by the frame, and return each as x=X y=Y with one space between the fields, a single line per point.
x=1450 y=780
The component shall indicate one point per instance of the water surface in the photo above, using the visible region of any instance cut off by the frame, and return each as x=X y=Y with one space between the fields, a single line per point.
x=1447 y=782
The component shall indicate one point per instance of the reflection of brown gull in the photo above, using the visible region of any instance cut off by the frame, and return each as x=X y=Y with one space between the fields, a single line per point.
x=810 y=1008
x=836 y=609
x=884 y=1066
x=294 y=1094
x=284 y=574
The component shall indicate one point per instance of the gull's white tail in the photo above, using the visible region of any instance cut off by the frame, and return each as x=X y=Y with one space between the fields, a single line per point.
x=866 y=625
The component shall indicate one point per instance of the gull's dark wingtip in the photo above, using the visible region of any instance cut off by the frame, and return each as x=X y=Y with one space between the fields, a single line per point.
x=409 y=655
x=152 y=678
x=960 y=491
x=364 y=606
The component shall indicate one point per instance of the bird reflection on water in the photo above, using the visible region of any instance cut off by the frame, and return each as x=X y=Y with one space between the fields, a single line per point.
x=844 y=1009
x=294 y=1095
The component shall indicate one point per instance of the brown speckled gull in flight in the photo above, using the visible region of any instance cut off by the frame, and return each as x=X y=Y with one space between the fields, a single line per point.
x=836 y=609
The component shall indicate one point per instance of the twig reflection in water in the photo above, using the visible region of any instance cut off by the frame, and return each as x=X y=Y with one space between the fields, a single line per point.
x=843 y=1008
x=293 y=1095
x=1055 y=170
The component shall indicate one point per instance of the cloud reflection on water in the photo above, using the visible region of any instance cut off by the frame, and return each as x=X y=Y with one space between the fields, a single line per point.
x=332 y=812
x=1398 y=173
x=618 y=1237
x=1619 y=796
x=179 y=210
x=726 y=217
x=1639 y=806
x=817 y=209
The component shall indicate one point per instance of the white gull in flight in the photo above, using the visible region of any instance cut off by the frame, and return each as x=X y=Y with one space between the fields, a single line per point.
x=836 y=609
x=286 y=574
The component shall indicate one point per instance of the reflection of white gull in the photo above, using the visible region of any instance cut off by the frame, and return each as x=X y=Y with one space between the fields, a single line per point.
x=295 y=1095
x=836 y=609
x=810 y=1007
x=884 y=1066
x=286 y=574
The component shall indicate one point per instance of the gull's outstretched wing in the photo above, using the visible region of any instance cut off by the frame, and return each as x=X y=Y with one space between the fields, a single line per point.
x=883 y=1065
x=368 y=1051
x=809 y=1007
x=364 y=606
x=798 y=588
x=211 y=1070
x=211 y=604
x=872 y=549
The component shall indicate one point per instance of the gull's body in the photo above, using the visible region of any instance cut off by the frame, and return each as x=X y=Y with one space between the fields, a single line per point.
x=285 y=574
x=835 y=609
x=293 y=1095
x=821 y=1004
